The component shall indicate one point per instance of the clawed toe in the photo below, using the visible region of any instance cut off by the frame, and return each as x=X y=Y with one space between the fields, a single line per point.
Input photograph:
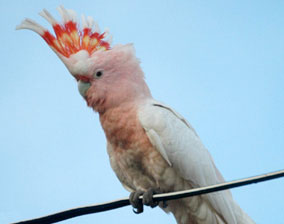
x=147 y=199
x=136 y=202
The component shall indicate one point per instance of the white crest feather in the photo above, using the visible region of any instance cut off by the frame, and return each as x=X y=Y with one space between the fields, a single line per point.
x=31 y=25
x=84 y=22
x=93 y=25
x=109 y=39
x=72 y=15
x=108 y=35
x=45 y=14
x=63 y=13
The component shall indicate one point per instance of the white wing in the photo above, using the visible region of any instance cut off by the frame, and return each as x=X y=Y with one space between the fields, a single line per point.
x=178 y=143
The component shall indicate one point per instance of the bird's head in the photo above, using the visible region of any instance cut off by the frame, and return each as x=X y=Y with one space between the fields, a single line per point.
x=106 y=76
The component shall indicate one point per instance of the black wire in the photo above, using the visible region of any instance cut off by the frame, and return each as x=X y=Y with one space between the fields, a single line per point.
x=219 y=187
x=75 y=212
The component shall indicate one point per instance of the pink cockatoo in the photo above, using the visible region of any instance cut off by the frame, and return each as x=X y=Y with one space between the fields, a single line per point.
x=151 y=147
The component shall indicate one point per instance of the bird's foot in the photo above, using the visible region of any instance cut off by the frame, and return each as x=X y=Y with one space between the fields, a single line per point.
x=136 y=202
x=147 y=199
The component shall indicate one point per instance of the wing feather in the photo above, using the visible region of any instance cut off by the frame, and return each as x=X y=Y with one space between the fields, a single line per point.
x=181 y=147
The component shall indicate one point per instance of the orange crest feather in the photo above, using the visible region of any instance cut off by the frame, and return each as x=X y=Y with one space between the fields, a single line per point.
x=69 y=37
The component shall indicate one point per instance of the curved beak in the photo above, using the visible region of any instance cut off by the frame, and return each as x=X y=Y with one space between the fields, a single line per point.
x=83 y=87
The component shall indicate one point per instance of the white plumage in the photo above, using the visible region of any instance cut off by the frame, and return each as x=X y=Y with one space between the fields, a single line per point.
x=179 y=144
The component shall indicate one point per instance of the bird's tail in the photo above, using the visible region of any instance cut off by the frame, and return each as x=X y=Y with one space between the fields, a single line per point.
x=241 y=216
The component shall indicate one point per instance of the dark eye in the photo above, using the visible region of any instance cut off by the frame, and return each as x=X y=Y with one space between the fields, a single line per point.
x=98 y=74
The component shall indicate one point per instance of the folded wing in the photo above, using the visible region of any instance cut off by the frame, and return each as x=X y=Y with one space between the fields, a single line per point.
x=181 y=147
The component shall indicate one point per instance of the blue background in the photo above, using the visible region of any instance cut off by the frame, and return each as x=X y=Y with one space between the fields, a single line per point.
x=218 y=63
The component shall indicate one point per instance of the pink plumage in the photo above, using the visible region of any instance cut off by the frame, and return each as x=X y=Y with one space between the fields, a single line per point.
x=149 y=144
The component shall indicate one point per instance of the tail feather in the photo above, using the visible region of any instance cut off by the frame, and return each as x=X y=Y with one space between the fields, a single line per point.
x=195 y=210
x=241 y=216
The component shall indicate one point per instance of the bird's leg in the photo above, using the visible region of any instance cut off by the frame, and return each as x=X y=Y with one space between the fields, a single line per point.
x=147 y=199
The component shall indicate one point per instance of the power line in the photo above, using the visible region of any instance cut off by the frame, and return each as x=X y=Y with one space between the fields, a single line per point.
x=75 y=212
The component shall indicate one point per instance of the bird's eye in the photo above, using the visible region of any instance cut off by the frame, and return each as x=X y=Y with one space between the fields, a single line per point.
x=98 y=74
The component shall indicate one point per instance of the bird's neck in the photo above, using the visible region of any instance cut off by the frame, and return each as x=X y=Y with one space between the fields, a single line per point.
x=120 y=123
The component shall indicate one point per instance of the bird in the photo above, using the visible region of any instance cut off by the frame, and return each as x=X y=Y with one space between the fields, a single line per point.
x=151 y=147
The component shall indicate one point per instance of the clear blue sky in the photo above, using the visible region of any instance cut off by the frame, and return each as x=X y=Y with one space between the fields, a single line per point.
x=219 y=63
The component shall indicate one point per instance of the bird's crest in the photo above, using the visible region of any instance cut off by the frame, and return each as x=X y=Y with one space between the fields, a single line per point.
x=70 y=38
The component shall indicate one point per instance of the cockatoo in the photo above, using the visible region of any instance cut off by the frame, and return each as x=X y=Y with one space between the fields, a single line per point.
x=151 y=147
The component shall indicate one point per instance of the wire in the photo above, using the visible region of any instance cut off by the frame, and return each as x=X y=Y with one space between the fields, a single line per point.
x=75 y=212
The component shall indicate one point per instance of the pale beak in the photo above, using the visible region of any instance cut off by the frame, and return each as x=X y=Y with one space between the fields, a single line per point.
x=83 y=87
